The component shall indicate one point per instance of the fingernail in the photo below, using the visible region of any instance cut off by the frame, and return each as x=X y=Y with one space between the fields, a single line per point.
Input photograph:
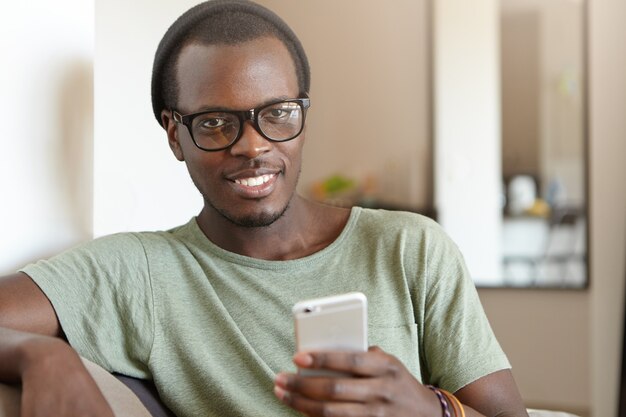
x=281 y=380
x=303 y=359
x=279 y=392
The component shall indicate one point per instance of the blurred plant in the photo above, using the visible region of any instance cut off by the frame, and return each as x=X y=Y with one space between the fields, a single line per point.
x=337 y=190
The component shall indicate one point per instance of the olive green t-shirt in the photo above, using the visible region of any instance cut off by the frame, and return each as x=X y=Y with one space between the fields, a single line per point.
x=212 y=327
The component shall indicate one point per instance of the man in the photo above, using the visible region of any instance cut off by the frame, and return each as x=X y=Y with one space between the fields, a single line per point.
x=204 y=309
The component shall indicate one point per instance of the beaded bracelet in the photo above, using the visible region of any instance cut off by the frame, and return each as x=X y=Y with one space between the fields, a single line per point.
x=456 y=404
x=442 y=401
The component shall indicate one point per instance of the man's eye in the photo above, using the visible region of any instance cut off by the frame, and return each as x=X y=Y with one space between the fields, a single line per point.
x=213 y=123
x=279 y=113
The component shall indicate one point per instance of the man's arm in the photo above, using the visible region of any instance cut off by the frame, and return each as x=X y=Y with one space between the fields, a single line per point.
x=495 y=394
x=32 y=351
x=24 y=307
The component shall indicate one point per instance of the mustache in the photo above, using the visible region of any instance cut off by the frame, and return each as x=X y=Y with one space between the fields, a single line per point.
x=258 y=163
x=255 y=167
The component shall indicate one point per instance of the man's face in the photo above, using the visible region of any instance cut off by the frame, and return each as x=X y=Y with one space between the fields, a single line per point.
x=252 y=182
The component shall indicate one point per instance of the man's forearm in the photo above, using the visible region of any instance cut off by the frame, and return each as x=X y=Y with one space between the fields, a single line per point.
x=20 y=350
x=54 y=380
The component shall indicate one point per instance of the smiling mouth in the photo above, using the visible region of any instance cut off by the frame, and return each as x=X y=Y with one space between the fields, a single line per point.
x=255 y=181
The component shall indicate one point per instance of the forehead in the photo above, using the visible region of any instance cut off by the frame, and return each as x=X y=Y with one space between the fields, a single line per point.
x=238 y=76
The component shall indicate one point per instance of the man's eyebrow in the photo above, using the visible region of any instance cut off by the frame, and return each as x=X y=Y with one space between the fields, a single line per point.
x=226 y=108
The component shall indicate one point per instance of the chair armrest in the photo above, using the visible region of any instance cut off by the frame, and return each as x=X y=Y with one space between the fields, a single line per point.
x=147 y=394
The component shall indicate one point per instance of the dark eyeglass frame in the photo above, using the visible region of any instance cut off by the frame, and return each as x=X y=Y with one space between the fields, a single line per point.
x=243 y=115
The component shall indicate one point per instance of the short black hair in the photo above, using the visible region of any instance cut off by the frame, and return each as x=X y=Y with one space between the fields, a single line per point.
x=219 y=22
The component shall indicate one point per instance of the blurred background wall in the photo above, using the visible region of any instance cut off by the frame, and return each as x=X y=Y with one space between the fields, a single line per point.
x=46 y=162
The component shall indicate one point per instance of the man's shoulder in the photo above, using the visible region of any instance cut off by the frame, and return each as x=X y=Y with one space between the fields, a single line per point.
x=412 y=229
x=396 y=220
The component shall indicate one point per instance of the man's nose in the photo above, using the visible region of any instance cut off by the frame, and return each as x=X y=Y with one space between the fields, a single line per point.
x=251 y=144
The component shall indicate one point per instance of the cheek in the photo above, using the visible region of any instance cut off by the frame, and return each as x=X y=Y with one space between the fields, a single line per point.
x=196 y=159
x=292 y=158
x=202 y=166
x=297 y=154
x=293 y=149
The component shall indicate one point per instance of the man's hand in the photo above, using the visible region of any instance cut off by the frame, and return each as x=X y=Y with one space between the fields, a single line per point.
x=56 y=383
x=380 y=385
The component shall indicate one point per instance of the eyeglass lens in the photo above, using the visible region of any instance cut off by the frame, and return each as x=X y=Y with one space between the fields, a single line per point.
x=279 y=121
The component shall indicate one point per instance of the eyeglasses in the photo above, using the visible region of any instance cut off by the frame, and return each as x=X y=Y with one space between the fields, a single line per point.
x=216 y=130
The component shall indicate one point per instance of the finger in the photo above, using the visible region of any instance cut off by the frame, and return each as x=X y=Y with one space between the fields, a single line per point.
x=336 y=389
x=326 y=408
x=374 y=362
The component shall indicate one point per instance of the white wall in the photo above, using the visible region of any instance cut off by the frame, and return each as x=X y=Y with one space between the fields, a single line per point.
x=47 y=134
x=138 y=184
x=467 y=131
x=608 y=197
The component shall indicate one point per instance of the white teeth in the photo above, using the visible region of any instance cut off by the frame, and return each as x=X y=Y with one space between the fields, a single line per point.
x=254 y=181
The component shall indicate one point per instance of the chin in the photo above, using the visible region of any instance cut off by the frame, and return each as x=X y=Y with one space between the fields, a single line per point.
x=263 y=219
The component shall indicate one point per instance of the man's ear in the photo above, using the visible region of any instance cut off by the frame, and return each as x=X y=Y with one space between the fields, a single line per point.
x=170 y=127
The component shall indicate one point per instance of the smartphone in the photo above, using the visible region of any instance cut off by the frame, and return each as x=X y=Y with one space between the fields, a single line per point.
x=337 y=323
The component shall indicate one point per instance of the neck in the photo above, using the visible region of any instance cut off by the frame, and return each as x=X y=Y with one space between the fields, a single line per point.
x=303 y=229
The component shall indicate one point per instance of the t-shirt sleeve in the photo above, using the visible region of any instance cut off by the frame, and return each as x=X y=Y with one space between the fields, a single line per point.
x=459 y=344
x=101 y=293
